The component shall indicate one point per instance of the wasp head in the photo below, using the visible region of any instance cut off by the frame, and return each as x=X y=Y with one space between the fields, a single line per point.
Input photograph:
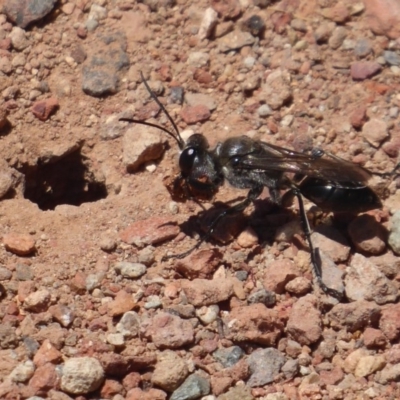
x=199 y=168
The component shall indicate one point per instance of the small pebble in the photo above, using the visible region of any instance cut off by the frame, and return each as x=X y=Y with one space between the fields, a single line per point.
x=194 y=387
x=176 y=95
x=22 y=372
x=395 y=70
x=299 y=286
x=361 y=70
x=229 y=356
x=198 y=59
x=323 y=32
x=195 y=114
x=249 y=62
x=264 y=111
x=129 y=324
x=362 y=48
x=298 y=25
x=287 y=120
x=42 y=109
x=108 y=244
x=394 y=235
x=375 y=131
x=393 y=112
x=209 y=314
x=146 y=256
x=263 y=296
x=153 y=301
x=170 y=371
x=38 y=301
x=19 y=39
x=392 y=58
x=337 y=38
x=116 y=339
x=93 y=281
x=20 y=244
x=130 y=270
x=5 y=274
x=251 y=83
x=248 y=238
x=81 y=375
x=208 y=23
x=241 y=275
x=235 y=40
x=265 y=365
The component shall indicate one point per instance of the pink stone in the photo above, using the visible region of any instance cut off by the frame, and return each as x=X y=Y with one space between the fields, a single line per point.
x=20 y=244
x=169 y=331
x=304 y=324
x=361 y=70
x=43 y=108
x=149 y=231
x=255 y=323
x=194 y=114
x=122 y=303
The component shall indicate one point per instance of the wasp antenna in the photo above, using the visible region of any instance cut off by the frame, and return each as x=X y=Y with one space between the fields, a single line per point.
x=136 y=121
x=177 y=137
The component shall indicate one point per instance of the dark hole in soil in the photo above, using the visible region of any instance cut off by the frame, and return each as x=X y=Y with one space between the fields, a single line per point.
x=65 y=181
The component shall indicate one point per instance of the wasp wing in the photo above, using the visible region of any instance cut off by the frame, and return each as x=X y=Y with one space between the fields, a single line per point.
x=318 y=164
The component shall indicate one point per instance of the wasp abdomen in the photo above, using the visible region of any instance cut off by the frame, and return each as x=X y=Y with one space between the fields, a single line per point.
x=339 y=196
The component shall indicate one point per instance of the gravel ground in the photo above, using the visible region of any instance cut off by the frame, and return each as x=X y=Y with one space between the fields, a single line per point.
x=88 y=308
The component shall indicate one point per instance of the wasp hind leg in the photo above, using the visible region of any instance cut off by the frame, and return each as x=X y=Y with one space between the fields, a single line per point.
x=315 y=256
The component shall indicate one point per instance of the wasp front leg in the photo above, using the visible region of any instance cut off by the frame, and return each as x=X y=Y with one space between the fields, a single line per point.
x=252 y=195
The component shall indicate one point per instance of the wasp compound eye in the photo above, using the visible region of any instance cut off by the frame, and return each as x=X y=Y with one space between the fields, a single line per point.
x=186 y=160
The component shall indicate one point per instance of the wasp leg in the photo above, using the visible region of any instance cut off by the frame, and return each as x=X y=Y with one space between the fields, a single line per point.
x=253 y=194
x=392 y=174
x=315 y=257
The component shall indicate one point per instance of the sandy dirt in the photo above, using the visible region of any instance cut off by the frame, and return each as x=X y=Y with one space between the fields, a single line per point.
x=71 y=184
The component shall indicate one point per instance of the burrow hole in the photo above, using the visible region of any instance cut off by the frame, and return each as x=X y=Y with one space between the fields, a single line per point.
x=67 y=180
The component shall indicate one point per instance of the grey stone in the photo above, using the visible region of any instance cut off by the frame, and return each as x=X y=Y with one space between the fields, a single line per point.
x=362 y=48
x=235 y=40
x=8 y=337
x=130 y=270
x=194 y=387
x=265 y=365
x=24 y=272
x=354 y=316
x=100 y=73
x=263 y=296
x=364 y=281
x=93 y=281
x=153 y=301
x=5 y=274
x=290 y=368
x=129 y=324
x=229 y=356
x=391 y=57
x=264 y=111
x=394 y=236
x=24 y=12
x=176 y=95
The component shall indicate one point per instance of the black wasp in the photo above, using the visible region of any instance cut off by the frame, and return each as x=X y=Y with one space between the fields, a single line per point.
x=330 y=182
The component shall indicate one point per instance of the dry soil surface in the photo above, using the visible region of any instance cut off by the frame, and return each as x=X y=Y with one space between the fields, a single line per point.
x=89 y=310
